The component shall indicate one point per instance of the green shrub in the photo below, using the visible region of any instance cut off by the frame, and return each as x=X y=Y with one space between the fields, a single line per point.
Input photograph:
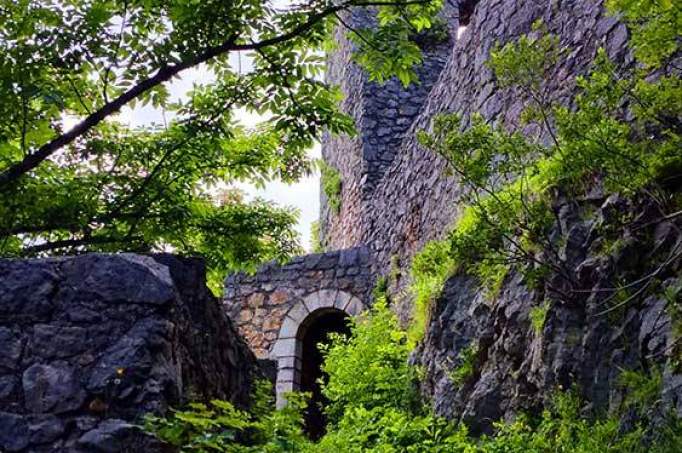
x=538 y=316
x=315 y=242
x=369 y=368
x=430 y=269
x=374 y=407
x=467 y=365
x=331 y=185
x=642 y=390
x=219 y=426
x=380 y=289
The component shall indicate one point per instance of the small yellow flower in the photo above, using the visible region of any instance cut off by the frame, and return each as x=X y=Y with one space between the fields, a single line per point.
x=120 y=371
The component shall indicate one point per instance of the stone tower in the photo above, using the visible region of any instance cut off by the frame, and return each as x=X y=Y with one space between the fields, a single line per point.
x=383 y=114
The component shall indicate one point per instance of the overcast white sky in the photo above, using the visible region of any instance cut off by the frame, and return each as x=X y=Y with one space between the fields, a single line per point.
x=304 y=195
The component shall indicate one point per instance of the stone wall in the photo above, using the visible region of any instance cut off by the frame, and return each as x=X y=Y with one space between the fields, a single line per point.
x=410 y=201
x=274 y=308
x=89 y=344
x=258 y=304
x=383 y=113
x=414 y=202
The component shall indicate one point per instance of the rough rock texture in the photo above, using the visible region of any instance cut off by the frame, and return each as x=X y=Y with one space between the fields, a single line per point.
x=587 y=338
x=258 y=303
x=88 y=344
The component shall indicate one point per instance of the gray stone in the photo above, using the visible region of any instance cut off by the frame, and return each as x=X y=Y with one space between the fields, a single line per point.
x=14 y=435
x=44 y=429
x=10 y=349
x=131 y=353
x=26 y=289
x=105 y=277
x=110 y=436
x=52 y=388
x=136 y=329
x=8 y=385
x=52 y=341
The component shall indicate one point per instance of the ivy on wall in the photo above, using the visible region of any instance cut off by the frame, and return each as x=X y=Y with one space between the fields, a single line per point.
x=315 y=239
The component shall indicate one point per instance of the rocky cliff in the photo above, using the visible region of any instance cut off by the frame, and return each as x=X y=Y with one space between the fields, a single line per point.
x=613 y=309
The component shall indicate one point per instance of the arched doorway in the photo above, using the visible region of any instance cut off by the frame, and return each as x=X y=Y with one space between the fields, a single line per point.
x=315 y=330
x=312 y=317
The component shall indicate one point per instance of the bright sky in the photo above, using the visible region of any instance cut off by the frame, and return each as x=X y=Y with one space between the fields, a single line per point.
x=304 y=195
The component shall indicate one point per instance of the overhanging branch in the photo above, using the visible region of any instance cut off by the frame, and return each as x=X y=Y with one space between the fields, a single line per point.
x=31 y=161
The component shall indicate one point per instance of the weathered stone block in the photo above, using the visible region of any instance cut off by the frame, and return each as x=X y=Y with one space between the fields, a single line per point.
x=298 y=313
x=279 y=297
x=52 y=388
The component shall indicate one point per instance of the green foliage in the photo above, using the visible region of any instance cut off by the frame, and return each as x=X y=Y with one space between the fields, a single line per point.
x=656 y=26
x=391 y=48
x=219 y=426
x=101 y=185
x=673 y=297
x=374 y=402
x=466 y=366
x=380 y=288
x=642 y=391
x=562 y=428
x=369 y=369
x=394 y=273
x=623 y=131
x=526 y=62
x=374 y=408
x=315 y=242
x=392 y=430
x=431 y=267
x=538 y=316
x=330 y=178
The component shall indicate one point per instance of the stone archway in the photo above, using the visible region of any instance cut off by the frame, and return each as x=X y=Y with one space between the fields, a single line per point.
x=287 y=350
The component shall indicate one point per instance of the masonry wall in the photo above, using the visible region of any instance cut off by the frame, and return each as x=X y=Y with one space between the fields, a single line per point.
x=414 y=202
x=89 y=344
x=517 y=368
x=383 y=114
x=258 y=304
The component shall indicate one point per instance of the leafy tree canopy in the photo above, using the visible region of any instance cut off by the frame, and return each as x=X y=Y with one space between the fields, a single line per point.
x=102 y=186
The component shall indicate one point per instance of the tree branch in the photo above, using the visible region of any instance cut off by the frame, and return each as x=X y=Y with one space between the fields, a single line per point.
x=164 y=74
x=69 y=243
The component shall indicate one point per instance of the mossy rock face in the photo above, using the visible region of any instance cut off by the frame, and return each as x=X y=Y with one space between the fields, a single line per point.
x=581 y=337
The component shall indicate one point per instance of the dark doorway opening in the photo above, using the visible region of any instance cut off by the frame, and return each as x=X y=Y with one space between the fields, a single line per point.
x=315 y=330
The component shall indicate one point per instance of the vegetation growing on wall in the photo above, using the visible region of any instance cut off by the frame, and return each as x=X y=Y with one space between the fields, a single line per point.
x=431 y=267
x=315 y=240
x=622 y=135
x=374 y=407
x=466 y=366
x=330 y=178
x=673 y=298
x=538 y=316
